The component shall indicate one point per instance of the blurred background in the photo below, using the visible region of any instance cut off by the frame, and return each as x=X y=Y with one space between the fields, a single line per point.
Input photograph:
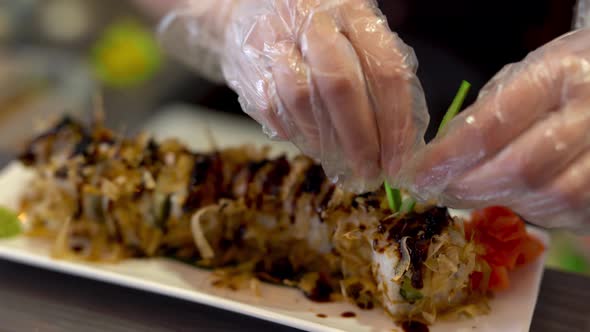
x=63 y=55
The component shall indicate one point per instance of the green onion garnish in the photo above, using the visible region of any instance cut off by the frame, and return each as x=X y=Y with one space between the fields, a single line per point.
x=397 y=199
x=394 y=197
x=456 y=105
x=9 y=223
x=408 y=205
x=408 y=292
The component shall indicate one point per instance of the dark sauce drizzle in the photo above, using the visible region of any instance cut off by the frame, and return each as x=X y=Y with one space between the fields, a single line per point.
x=150 y=156
x=274 y=179
x=28 y=157
x=412 y=326
x=322 y=292
x=314 y=178
x=204 y=183
x=420 y=228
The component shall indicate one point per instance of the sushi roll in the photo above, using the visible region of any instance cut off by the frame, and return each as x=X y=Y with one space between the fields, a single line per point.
x=102 y=197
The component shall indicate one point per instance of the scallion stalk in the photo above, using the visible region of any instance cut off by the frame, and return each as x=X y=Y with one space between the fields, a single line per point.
x=455 y=105
x=394 y=195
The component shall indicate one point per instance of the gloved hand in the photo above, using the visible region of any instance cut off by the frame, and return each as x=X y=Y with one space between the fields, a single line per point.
x=328 y=75
x=524 y=144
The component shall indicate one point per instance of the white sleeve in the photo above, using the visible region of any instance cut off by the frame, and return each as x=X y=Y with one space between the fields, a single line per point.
x=582 y=14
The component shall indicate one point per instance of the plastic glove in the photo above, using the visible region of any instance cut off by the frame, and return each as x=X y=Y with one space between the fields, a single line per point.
x=524 y=144
x=582 y=16
x=194 y=33
x=330 y=76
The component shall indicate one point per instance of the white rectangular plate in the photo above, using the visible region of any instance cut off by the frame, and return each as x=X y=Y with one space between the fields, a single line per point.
x=511 y=310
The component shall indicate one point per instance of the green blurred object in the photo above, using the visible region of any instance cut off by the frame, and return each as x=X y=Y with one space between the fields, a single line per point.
x=576 y=263
x=126 y=55
x=566 y=253
x=393 y=197
x=9 y=223
x=456 y=105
